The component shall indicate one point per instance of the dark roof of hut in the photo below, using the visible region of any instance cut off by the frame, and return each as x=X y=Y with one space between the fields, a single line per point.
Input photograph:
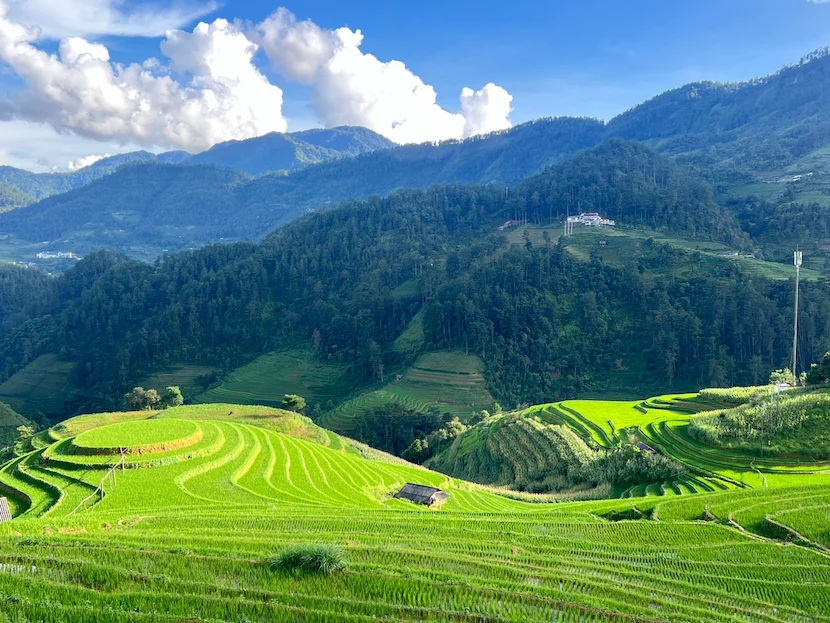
x=421 y=494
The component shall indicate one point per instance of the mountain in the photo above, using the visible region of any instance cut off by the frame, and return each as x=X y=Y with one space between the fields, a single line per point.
x=272 y=152
x=733 y=135
x=547 y=317
x=151 y=205
x=289 y=152
x=758 y=125
x=145 y=209
x=11 y=198
x=9 y=421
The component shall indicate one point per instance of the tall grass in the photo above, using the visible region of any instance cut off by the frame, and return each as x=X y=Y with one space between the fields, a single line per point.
x=317 y=558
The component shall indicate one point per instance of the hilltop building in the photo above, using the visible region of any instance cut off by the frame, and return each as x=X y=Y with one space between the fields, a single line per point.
x=591 y=219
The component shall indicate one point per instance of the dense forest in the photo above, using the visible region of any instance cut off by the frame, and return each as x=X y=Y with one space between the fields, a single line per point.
x=758 y=125
x=727 y=132
x=546 y=323
x=164 y=207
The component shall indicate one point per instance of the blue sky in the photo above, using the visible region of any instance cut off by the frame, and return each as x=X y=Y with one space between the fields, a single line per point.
x=594 y=58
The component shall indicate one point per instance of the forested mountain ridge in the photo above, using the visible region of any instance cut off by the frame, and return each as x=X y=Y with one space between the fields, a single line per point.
x=629 y=183
x=728 y=132
x=271 y=152
x=762 y=124
x=289 y=152
x=158 y=208
x=545 y=323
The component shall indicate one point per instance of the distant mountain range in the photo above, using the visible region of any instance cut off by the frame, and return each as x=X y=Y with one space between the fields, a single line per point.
x=726 y=133
x=269 y=153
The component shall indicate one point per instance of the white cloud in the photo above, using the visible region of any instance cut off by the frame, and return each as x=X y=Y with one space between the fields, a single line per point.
x=84 y=161
x=79 y=90
x=486 y=110
x=205 y=87
x=38 y=147
x=353 y=88
x=57 y=19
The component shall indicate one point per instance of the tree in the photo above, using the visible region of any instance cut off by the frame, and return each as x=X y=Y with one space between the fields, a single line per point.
x=25 y=432
x=172 y=397
x=782 y=376
x=293 y=402
x=139 y=399
x=819 y=373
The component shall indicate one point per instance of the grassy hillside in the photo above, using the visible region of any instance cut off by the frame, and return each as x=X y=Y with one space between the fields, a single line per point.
x=626 y=245
x=42 y=388
x=269 y=377
x=185 y=377
x=186 y=536
x=453 y=382
x=9 y=421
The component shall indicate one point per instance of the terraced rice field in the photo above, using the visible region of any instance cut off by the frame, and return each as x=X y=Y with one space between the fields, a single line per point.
x=42 y=387
x=183 y=537
x=184 y=377
x=450 y=381
x=661 y=423
x=269 y=377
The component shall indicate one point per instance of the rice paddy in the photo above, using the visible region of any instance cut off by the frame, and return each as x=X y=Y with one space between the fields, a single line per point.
x=452 y=382
x=41 y=388
x=269 y=377
x=186 y=533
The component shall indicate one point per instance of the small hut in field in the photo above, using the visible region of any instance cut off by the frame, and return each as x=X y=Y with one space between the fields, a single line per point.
x=422 y=494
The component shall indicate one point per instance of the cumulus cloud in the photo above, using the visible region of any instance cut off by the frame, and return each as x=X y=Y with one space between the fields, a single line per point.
x=79 y=90
x=84 y=161
x=206 y=87
x=353 y=88
x=83 y=18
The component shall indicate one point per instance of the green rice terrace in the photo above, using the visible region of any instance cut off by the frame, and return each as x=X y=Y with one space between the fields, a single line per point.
x=197 y=513
x=451 y=381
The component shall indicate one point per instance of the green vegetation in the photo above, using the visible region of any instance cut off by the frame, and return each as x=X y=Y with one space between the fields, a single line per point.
x=140 y=436
x=10 y=422
x=543 y=322
x=41 y=390
x=197 y=524
x=788 y=425
x=527 y=454
x=12 y=198
x=451 y=382
x=268 y=378
x=323 y=558
x=189 y=378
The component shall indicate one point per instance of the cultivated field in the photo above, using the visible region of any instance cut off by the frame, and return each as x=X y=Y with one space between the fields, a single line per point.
x=269 y=377
x=183 y=377
x=450 y=381
x=182 y=534
x=42 y=387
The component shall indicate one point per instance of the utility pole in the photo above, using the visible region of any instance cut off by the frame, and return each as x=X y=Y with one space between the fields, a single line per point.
x=797 y=261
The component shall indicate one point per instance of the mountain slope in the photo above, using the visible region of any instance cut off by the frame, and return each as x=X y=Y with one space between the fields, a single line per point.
x=262 y=204
x=757 y=125
x=289 y=152
x=347 y=283
x=272 y=152
x=157 y=205
x=9 y=421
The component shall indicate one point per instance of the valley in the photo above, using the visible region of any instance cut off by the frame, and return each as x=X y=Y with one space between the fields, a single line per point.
x=440 y=368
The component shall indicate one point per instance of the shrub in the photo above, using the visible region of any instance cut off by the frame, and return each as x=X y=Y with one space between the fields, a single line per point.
x=321 y=558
